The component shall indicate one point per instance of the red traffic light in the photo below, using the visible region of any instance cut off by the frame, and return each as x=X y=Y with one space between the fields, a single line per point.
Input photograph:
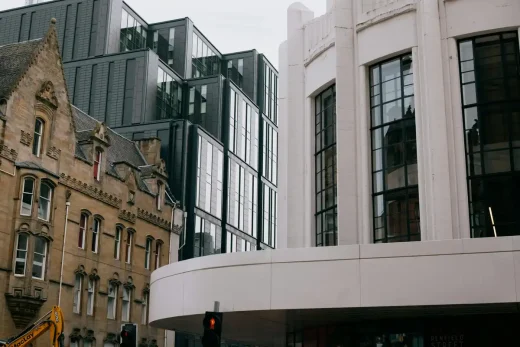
x=212 y=323
x=124 y=333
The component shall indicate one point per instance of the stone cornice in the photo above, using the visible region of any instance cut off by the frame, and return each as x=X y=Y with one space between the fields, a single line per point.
x=153 y=219
x=90 y=190
x=128 y=216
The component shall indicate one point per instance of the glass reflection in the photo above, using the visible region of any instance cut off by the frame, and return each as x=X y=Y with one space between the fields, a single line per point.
x=394 y=153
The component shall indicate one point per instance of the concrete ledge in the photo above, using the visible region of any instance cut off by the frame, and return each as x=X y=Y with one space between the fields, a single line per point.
x=266 y=285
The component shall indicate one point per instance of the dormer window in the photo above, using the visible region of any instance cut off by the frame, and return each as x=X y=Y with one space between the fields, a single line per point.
x=38 y=136
x=97 y=165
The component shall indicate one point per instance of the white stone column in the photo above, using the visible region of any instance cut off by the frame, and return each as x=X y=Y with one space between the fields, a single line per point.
x=299 y=229
x=347 y=137
x=436 y=178
x=281 y=238
x=365 y=154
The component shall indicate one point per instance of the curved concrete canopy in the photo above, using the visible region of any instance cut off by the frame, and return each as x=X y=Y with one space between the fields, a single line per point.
x=262 y=293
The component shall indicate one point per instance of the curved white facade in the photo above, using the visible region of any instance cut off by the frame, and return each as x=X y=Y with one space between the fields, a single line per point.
x=266 y=294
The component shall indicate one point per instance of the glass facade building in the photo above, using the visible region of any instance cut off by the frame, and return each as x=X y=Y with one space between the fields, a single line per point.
x=215 y=114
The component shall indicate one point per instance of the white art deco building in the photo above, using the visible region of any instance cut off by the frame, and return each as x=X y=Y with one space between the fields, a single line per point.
x=399 y=149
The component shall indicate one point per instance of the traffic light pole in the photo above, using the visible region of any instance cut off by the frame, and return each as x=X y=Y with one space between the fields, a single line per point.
x=216 y=306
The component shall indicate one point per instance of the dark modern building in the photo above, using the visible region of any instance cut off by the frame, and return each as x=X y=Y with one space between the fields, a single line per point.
x=215 y=114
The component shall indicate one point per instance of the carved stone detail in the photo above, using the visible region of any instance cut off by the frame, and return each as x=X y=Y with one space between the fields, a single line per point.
x=24 y=308
x=26 y=138
x=9 y=154
x=100 y=133
x=54 y=152
x=128 y=216
x=153 y=219
x=90 y=190
x=47 y=95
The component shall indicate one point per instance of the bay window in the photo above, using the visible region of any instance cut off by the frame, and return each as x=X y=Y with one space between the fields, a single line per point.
x=27 y=196
x=44 y=202
x=21 y=254
x=39 y=258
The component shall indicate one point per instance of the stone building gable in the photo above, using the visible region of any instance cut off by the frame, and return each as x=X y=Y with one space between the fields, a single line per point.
x=36 y=88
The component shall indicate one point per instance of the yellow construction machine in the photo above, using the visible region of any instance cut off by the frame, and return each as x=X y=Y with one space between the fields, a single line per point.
x=52 y=321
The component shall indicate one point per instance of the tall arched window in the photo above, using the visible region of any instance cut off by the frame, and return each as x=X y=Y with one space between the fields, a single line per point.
x=490 y=84
x=326 y=171
x=21 y=254
x=112 y=300
x=44 y=202
x=395 y=185
x=158 y=245
x=78 y=284
x=128 y=247
x=27 y=196
x=39 y=258
x=83 y=224
x=38 y=137
x=96 y=229
x=127 y=300
x=148 y=250
x=144 y=312
x=117 y=242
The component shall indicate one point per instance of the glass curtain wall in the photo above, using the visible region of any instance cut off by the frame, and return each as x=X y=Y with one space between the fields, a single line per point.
x=169 y=96
x=205 y=62
x=133 y=35
x=394 y=151
x=490 y=86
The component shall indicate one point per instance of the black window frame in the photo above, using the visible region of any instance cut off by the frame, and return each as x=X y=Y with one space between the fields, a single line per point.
x=406 y=145
x=483 y=221
x=320 y=152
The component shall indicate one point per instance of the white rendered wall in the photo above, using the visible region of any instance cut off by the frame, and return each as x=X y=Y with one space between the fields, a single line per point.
x=366 y=32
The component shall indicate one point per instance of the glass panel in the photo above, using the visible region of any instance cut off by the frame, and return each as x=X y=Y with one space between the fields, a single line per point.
x=392 y=111
x=466 y=50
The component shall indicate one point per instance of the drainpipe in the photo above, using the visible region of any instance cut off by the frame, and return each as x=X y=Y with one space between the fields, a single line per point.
x=67 y=205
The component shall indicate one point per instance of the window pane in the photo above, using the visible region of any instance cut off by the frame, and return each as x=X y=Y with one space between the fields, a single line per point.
x=394 y=151
x=44 y=201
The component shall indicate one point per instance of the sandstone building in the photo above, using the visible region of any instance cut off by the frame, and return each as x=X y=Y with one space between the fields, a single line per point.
x=64 y=173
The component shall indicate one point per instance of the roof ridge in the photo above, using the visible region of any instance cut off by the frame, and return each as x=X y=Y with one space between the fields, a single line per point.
x=21 y=42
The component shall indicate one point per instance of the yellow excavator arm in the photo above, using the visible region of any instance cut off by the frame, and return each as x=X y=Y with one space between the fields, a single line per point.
x=52 y=322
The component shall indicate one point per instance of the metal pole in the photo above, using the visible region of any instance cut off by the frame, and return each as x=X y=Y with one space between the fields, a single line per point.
x=216 y=306
x=67 y=205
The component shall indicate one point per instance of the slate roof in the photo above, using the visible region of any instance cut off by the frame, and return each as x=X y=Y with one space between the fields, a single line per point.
x=121 y=149
x=14 y=60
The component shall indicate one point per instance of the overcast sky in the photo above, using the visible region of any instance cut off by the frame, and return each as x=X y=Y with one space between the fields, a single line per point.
x=231 y=25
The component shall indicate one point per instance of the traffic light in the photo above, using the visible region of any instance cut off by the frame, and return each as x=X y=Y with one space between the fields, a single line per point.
x=128 y=335
x=212 y=329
